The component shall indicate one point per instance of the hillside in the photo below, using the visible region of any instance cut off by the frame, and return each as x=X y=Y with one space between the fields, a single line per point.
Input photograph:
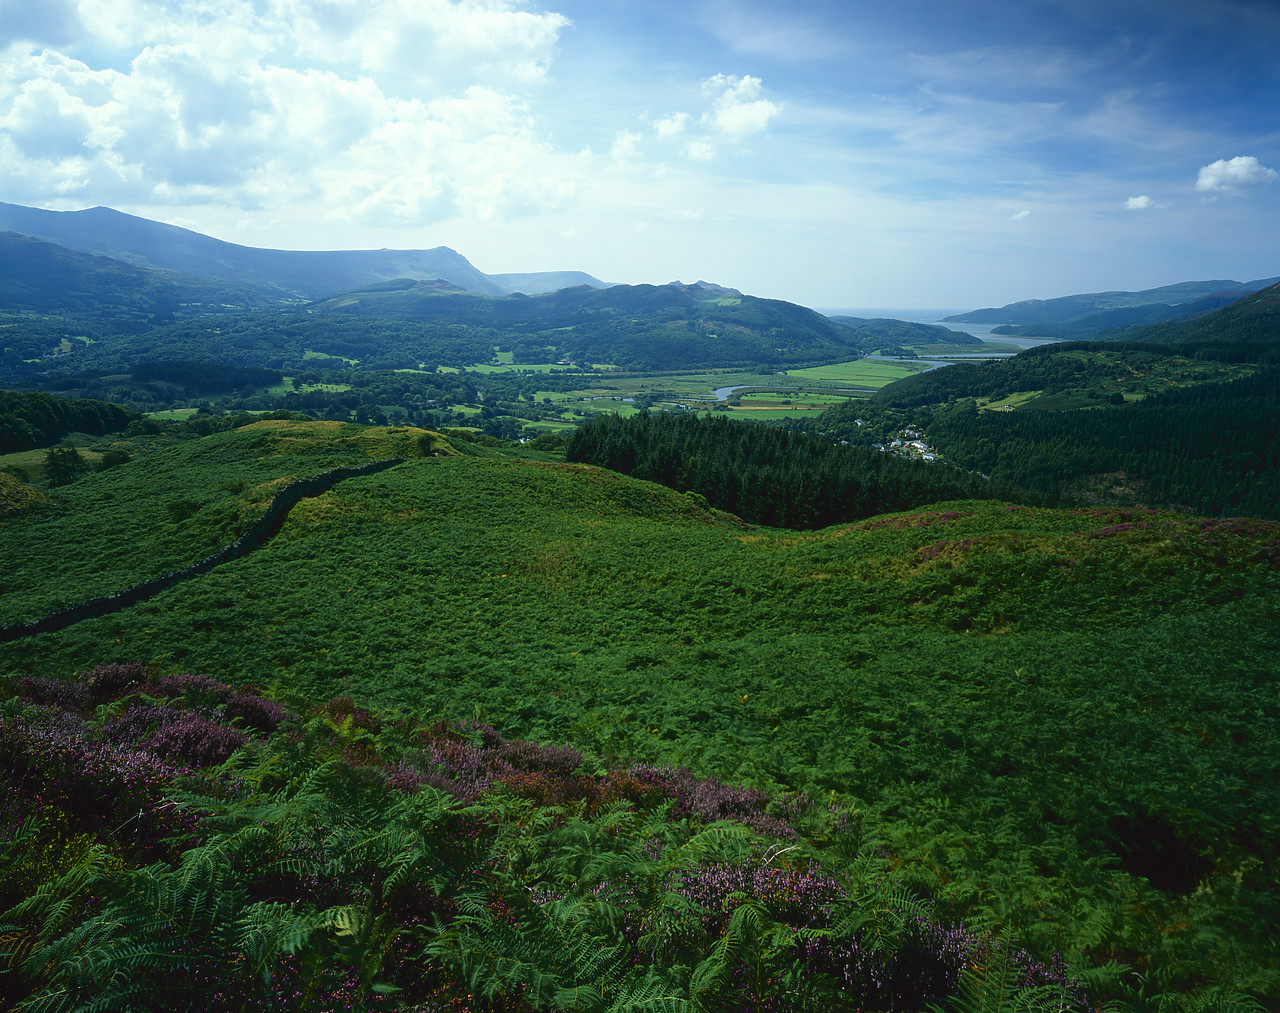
x=42 y=277
x=1096 y=311
x=1181 y=415
x=541 y=282
x=634 y=326
x=1016 y=712
x=906 y=332
x=1248 y=329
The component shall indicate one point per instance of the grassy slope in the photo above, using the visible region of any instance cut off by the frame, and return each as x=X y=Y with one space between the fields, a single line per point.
x=1017 y=699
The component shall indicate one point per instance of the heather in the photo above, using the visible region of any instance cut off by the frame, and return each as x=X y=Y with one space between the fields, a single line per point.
x=159 y=857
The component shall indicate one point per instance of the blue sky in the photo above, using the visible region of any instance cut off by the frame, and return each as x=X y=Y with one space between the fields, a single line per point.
x=920 y=153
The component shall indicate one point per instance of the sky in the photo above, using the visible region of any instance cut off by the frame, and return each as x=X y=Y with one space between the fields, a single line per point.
x=840 y=154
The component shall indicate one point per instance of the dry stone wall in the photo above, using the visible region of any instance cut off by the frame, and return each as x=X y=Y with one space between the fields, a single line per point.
x=258 y=535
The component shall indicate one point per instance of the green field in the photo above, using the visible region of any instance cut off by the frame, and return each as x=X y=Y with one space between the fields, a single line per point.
x=864 y=372
x=174 y=414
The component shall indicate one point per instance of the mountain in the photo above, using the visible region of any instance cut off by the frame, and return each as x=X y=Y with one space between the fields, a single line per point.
x=906 y=332
x=542 y=282
x=1173 y=300
x=37 y=276
x=634 y=326
x=295 y=274
x=1247 y=329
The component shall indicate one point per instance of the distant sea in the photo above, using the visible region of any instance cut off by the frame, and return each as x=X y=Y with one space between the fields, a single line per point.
x=918 y=316
x=932 y=316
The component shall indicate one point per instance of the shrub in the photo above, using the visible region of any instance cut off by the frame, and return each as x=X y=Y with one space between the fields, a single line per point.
x=255 y=712
x=108 y=682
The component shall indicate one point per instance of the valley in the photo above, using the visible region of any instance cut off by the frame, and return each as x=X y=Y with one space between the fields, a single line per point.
x=557 y=686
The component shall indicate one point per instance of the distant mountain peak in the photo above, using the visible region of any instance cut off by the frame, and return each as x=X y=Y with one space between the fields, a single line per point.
x=705 y=286
x=292 y=274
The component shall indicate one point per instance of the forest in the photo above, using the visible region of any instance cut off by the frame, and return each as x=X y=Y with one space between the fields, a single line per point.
x=771 y=476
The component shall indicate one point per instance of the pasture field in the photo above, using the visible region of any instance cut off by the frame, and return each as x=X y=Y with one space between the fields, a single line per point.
x=863 y=372
x=1012 y=401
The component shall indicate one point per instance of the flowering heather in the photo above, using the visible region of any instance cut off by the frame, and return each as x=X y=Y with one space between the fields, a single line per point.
x=923 y=968
x=107 y=682
x=803 y=898
x=901 y=522
x=194 y=690
x=710 y=800
x=136 y=724
x=64 y=694
x=190 y=736
x=529 y=756
x=1222 y=531
x=353 y=838
x=256 y=712
x=54 y=761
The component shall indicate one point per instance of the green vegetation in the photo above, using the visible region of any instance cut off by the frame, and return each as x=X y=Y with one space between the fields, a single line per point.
x=863 y=372
x=1057 y=728
x=1097 y=311
x=490 y=730
x=38 y=277
x=324 y=857
x=1096 y=424
x=36 y=420
x=636 y=327
x=770 y=476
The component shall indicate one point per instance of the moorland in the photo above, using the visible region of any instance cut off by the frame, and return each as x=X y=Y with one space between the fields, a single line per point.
x=631 y=705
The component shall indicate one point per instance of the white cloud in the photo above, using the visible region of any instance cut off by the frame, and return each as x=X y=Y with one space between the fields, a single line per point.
x=1019 y=216
x=1137 y=203
x=403 y=108
x=437 y=40
x=1233 y=174
x=626 y=146
x=737 y=109
x=700 y=151
x=671 y=126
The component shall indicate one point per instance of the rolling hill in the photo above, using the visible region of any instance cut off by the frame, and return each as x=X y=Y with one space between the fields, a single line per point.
x=652 y=327
x=1181 y=414
x=982 y=714
x=44 y=278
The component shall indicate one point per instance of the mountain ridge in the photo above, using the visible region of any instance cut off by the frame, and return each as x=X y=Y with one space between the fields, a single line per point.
x=1076 y=308
x=303 y=275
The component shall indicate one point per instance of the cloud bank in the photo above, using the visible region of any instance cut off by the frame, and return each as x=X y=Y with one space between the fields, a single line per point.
x=405 y=110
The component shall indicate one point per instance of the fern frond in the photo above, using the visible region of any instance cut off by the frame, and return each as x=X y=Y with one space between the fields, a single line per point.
x=716 y=838
x=1222 y=1000
x=745 y=929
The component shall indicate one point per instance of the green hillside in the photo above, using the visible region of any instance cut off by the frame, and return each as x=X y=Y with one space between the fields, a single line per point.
x=1070 y=308
x=634 y=326
x=1059 y=724
x=1248 y=329
x=42 y=277
x=1183 y=415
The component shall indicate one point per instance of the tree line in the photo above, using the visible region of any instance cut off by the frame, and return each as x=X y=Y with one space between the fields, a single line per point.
x=768 y=475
